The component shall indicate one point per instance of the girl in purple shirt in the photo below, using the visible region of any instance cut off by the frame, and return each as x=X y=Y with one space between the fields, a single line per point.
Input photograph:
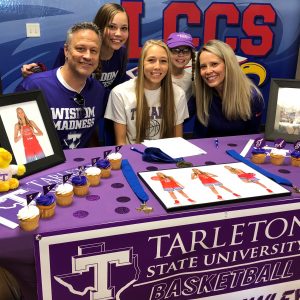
x=113 y=21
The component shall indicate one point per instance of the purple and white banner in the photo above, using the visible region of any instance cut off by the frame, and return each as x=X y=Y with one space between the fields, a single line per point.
x=248 y=254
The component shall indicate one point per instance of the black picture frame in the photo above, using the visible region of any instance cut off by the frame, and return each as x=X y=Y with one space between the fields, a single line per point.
x=33 y=104
x=283 y=114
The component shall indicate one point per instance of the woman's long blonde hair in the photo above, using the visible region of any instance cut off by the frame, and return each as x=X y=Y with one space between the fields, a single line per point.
x=237 y=90
x=167 y=102
x=20 y=121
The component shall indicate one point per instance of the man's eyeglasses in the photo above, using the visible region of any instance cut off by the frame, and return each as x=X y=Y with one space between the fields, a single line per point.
x=184 y=51
x=79 y=100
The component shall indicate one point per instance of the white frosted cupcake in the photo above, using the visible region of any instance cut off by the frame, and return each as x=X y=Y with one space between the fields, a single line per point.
x=29 y=217
x=93 y=175
x=115 y=160
x=277 y=156
x=64 y=194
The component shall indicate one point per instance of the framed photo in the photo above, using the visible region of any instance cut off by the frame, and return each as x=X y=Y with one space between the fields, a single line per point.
x=201 y=186
x=283 y=114
x=27 y=131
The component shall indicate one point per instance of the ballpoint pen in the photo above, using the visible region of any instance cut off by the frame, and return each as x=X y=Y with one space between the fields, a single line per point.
x=217 y=143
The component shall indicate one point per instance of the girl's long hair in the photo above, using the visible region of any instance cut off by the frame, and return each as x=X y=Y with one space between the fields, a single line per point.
x=237 y=91
x=167 y=102
x=27 y=121
x=102 y=19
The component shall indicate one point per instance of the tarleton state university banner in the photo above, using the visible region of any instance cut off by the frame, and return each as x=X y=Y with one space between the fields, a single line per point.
x=249 y=254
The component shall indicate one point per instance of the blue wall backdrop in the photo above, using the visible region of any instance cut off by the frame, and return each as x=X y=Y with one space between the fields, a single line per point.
x=265 y=34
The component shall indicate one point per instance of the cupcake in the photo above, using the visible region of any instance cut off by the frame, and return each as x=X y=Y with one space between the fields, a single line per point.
x=80 y=185
x=93 y=175
x=105 y=167
x=29 y=217
x=258 y=155
x=277 y=156
x=46 y=204
x=115 y=160
x=295 y=158
x=64 y=194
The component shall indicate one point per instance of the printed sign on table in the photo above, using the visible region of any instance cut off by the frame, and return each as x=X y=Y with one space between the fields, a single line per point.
x=239 y=254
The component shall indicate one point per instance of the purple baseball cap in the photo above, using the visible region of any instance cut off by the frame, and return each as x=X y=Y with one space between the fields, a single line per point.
x=176 y=39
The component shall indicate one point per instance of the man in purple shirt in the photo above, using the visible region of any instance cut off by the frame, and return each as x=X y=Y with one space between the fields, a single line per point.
x=76 y=100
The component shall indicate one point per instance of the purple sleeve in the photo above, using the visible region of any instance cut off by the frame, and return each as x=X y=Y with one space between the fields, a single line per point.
x=60 y=58
x=122 y=76
x=26 y=84
x=257 y=107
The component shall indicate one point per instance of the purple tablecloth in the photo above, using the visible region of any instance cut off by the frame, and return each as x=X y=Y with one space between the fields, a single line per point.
x=114 y=201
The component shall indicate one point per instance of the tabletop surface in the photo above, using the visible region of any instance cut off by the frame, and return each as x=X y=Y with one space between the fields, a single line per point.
x=113 y=200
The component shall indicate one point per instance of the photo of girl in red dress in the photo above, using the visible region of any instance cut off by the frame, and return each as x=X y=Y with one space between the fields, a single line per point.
x=28 y=131
x=170 y=185
x=247 y=177
x=207 y=179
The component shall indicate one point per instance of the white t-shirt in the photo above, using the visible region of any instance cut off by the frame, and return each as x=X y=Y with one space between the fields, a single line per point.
x=121 y=108
x=185 y=83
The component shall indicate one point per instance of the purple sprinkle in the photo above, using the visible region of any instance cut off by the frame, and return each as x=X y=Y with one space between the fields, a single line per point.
x=232 y=145
x=284 y=171
x=152 y=168
x=122 y=210
x=80 y=214
x=117 y=185
x=92 y=197
x=209 y=163
x=123 y=199
x=78 y=159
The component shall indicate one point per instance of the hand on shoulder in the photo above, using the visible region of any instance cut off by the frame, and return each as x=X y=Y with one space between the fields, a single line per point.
x=27 y=69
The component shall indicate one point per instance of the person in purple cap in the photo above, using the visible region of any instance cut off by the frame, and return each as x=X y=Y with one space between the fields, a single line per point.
x=182 y=53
